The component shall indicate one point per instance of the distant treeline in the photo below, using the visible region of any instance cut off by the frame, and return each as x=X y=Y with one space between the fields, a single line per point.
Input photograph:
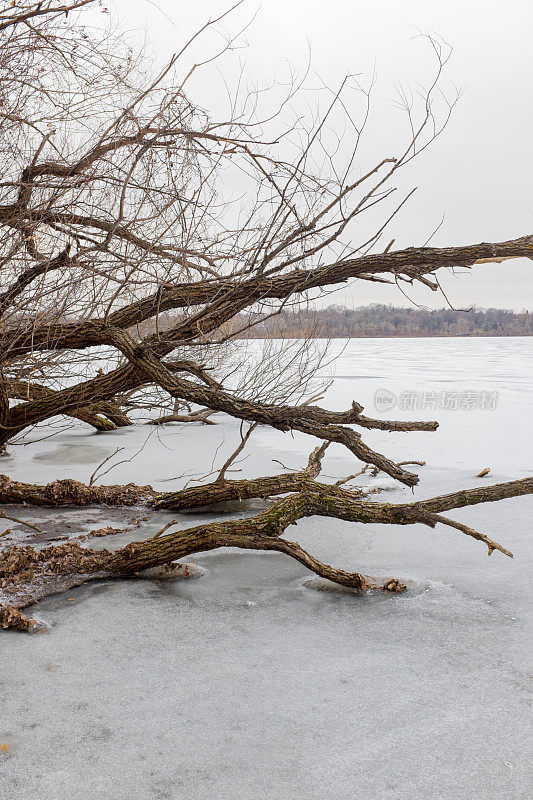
x=336 y=322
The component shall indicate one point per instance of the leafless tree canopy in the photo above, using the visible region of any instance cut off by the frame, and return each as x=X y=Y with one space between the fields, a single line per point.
x=136 y=228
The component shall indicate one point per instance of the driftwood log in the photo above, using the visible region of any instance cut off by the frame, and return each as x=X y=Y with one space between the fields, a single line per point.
x=27 y=574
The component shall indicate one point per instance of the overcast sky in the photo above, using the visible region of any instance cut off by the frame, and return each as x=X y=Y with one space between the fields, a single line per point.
x=478 y=174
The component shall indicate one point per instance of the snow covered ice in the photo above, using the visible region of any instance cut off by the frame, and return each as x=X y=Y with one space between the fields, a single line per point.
x=252 y=681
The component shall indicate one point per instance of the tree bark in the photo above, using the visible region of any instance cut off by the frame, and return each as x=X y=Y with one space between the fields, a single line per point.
x=105 y=416
x=411 y=262
x=4 y=410
x=27 y=575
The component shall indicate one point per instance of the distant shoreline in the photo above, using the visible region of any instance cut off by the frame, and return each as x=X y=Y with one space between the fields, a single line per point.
x=382 y=322
x=400 y=336
x=367 y=322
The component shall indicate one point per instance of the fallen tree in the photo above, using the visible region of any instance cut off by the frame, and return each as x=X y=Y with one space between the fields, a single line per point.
x=130 y=272
x=28 y=574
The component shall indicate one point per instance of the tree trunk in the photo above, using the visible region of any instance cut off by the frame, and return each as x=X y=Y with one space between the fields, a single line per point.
x=4 y=411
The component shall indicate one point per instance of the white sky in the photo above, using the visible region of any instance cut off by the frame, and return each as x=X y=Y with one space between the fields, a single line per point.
x=478 y=174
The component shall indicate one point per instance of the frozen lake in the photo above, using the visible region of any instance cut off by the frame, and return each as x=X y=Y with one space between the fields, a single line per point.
x=246 y=683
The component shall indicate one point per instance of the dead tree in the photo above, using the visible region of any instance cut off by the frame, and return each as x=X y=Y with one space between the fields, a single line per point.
x=127 y=265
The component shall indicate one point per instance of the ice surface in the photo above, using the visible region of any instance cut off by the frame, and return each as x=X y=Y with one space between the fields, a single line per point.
x=250 y=682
